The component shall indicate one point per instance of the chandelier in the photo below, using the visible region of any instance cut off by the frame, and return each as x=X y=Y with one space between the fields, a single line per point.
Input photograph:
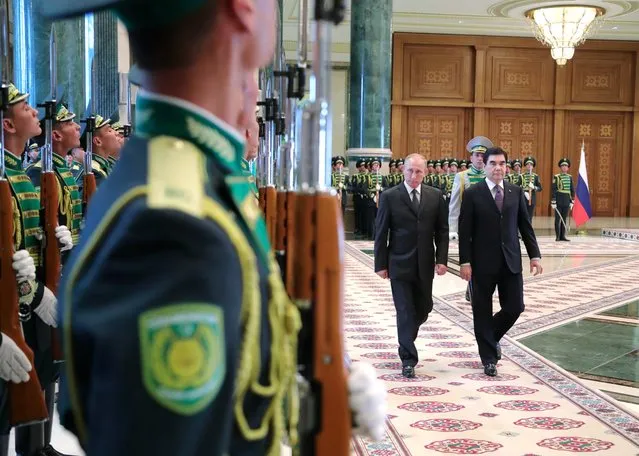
x=564 y=27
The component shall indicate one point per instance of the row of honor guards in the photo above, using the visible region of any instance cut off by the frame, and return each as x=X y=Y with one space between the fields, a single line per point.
x=25 y=151
x=367 y=183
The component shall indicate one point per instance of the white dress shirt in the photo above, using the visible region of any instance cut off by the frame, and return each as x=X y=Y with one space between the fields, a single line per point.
x=492 y=185
x=410 y=191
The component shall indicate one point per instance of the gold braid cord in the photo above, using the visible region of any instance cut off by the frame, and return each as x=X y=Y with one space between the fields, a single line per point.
x=284 y=322
x=17 y=224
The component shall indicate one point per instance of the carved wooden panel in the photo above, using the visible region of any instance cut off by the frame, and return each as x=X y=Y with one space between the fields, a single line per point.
x=432 y=72
x=519 y=75
x=602 y=77
x=436 y=132
x=602 y=135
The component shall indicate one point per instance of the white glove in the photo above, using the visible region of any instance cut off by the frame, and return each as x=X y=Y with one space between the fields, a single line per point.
x=47 y=310
x=14 y=364
x=531 y=185
x=24 y=266
x=63 y=235
x=527 y=195
x=453 y=235
x=367 y=398
x=553 y=205
x=571 y=205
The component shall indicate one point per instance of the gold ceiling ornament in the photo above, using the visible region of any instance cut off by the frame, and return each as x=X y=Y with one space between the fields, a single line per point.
x=564 y=27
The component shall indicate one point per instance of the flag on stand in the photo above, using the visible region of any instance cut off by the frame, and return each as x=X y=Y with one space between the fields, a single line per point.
x=582 y=211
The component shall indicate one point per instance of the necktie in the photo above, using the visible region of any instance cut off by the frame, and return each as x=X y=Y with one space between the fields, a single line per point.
x=415 y=200
x=499 y=197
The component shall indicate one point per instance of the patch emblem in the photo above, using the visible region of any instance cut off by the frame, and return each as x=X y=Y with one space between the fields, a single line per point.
x=182 y=352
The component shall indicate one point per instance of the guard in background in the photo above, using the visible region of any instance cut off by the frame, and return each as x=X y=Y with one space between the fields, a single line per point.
x=563 y=196
x=375 y=186
x=339 y=180
x=515 y=176
x=531 y=185
x=358 y=190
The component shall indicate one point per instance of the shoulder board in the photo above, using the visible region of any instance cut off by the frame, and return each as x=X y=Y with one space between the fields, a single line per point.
x=176 y=175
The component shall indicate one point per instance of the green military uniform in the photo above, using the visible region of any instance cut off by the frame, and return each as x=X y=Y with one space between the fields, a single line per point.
x=340 y=181
x=516 y=177
x=70 y=199
x=374 y=187
x=398 y=177
x=100 y=166
x=450 y=178
x=358 y=190
x=531 y=185
x=563 y=196
x=27 y=234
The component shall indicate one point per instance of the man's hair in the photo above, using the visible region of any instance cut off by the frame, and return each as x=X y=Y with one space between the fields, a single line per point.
x=412 y=156
x=494 y=151
x=176 y=45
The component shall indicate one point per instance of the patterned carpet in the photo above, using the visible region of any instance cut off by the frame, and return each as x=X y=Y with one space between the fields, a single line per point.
x=531 y=408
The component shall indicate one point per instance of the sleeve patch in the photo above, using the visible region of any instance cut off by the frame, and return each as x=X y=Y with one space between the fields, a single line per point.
x=182 y=354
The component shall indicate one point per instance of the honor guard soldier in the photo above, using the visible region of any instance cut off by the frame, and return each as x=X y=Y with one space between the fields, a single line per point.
x=339 y=180
x=105 y=144
x=450 y=179
x=563 y=196
x=430 y=172
x=375 y=184
x=399 y=176
x=515 y=176
x=509 y=170
x=65 y=134
x=392 y=172
x=463 y=165
x=199 y=342
x=358 y=186
x=464 y=179
x=531 y=185
x=252 y=145
x=33 y=154
x=20 y=124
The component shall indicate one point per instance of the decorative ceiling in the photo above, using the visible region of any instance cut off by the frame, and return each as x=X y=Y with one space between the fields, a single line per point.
x=469 y=17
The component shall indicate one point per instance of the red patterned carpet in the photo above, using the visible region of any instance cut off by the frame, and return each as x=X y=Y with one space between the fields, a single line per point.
x=531 y=408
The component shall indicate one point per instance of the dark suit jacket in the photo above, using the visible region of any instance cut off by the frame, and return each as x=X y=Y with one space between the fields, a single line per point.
x=484 y=232
x=409 y=243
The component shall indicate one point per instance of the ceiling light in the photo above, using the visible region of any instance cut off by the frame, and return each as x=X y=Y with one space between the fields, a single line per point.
x=563 y=28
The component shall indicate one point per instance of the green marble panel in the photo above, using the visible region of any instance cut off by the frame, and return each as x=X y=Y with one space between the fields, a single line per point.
x=370 y=74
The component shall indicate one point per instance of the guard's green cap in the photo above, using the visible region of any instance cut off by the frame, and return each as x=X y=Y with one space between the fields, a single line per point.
x=62 y=113
x=133 y=13
x=15 y=96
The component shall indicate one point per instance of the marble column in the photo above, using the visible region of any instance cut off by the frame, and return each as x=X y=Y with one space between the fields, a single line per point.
x=106 y=78
x=370 y=80
x=31 y=33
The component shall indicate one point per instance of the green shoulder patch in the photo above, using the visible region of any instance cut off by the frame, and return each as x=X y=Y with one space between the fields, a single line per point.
x=182 y=353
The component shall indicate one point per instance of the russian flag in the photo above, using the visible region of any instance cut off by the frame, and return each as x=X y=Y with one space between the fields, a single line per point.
x=582 y=211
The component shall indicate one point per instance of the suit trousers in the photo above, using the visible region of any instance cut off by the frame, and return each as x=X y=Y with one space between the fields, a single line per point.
x=413 y=302
x=531 y=211
x=489 y=328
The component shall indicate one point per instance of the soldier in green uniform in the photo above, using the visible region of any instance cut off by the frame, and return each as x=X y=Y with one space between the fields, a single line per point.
x=509 y=170
x=463 y=165
x=450 y=178
x=184 y=324
x=357 y=189
x=374 y=188
x=392 y=171
x=105 y=144
x=339 y=180
x=515 y=176
x=563 y=197
x=65 y=134
x=399 y=174
x=21 y=124
x=531 y=185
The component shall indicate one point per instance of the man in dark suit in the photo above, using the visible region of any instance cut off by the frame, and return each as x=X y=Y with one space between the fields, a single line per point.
x=492 y=214
x=411 y=244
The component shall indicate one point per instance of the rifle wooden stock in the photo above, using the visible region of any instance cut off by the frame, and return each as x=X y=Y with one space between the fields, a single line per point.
x=89 y=186
x=280 y=232
x=319 y=293
x=290 y=241
x=26 y=400
x=270 y=212
x=49 y=196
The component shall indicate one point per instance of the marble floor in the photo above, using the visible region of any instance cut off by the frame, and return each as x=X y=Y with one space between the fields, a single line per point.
x=579 y=336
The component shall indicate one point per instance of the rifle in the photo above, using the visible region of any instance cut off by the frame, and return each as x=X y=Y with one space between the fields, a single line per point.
x=286 y=238
x=25 y=400
x=49 y=197
x=88 y=183
x=530 y=192
x=267 y=192
x=325 y=417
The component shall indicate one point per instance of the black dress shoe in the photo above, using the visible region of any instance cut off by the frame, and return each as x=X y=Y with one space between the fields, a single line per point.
x=490 y=369
x=498 y=351
x=408 y=371
x=564 y=239
x=467 y=294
